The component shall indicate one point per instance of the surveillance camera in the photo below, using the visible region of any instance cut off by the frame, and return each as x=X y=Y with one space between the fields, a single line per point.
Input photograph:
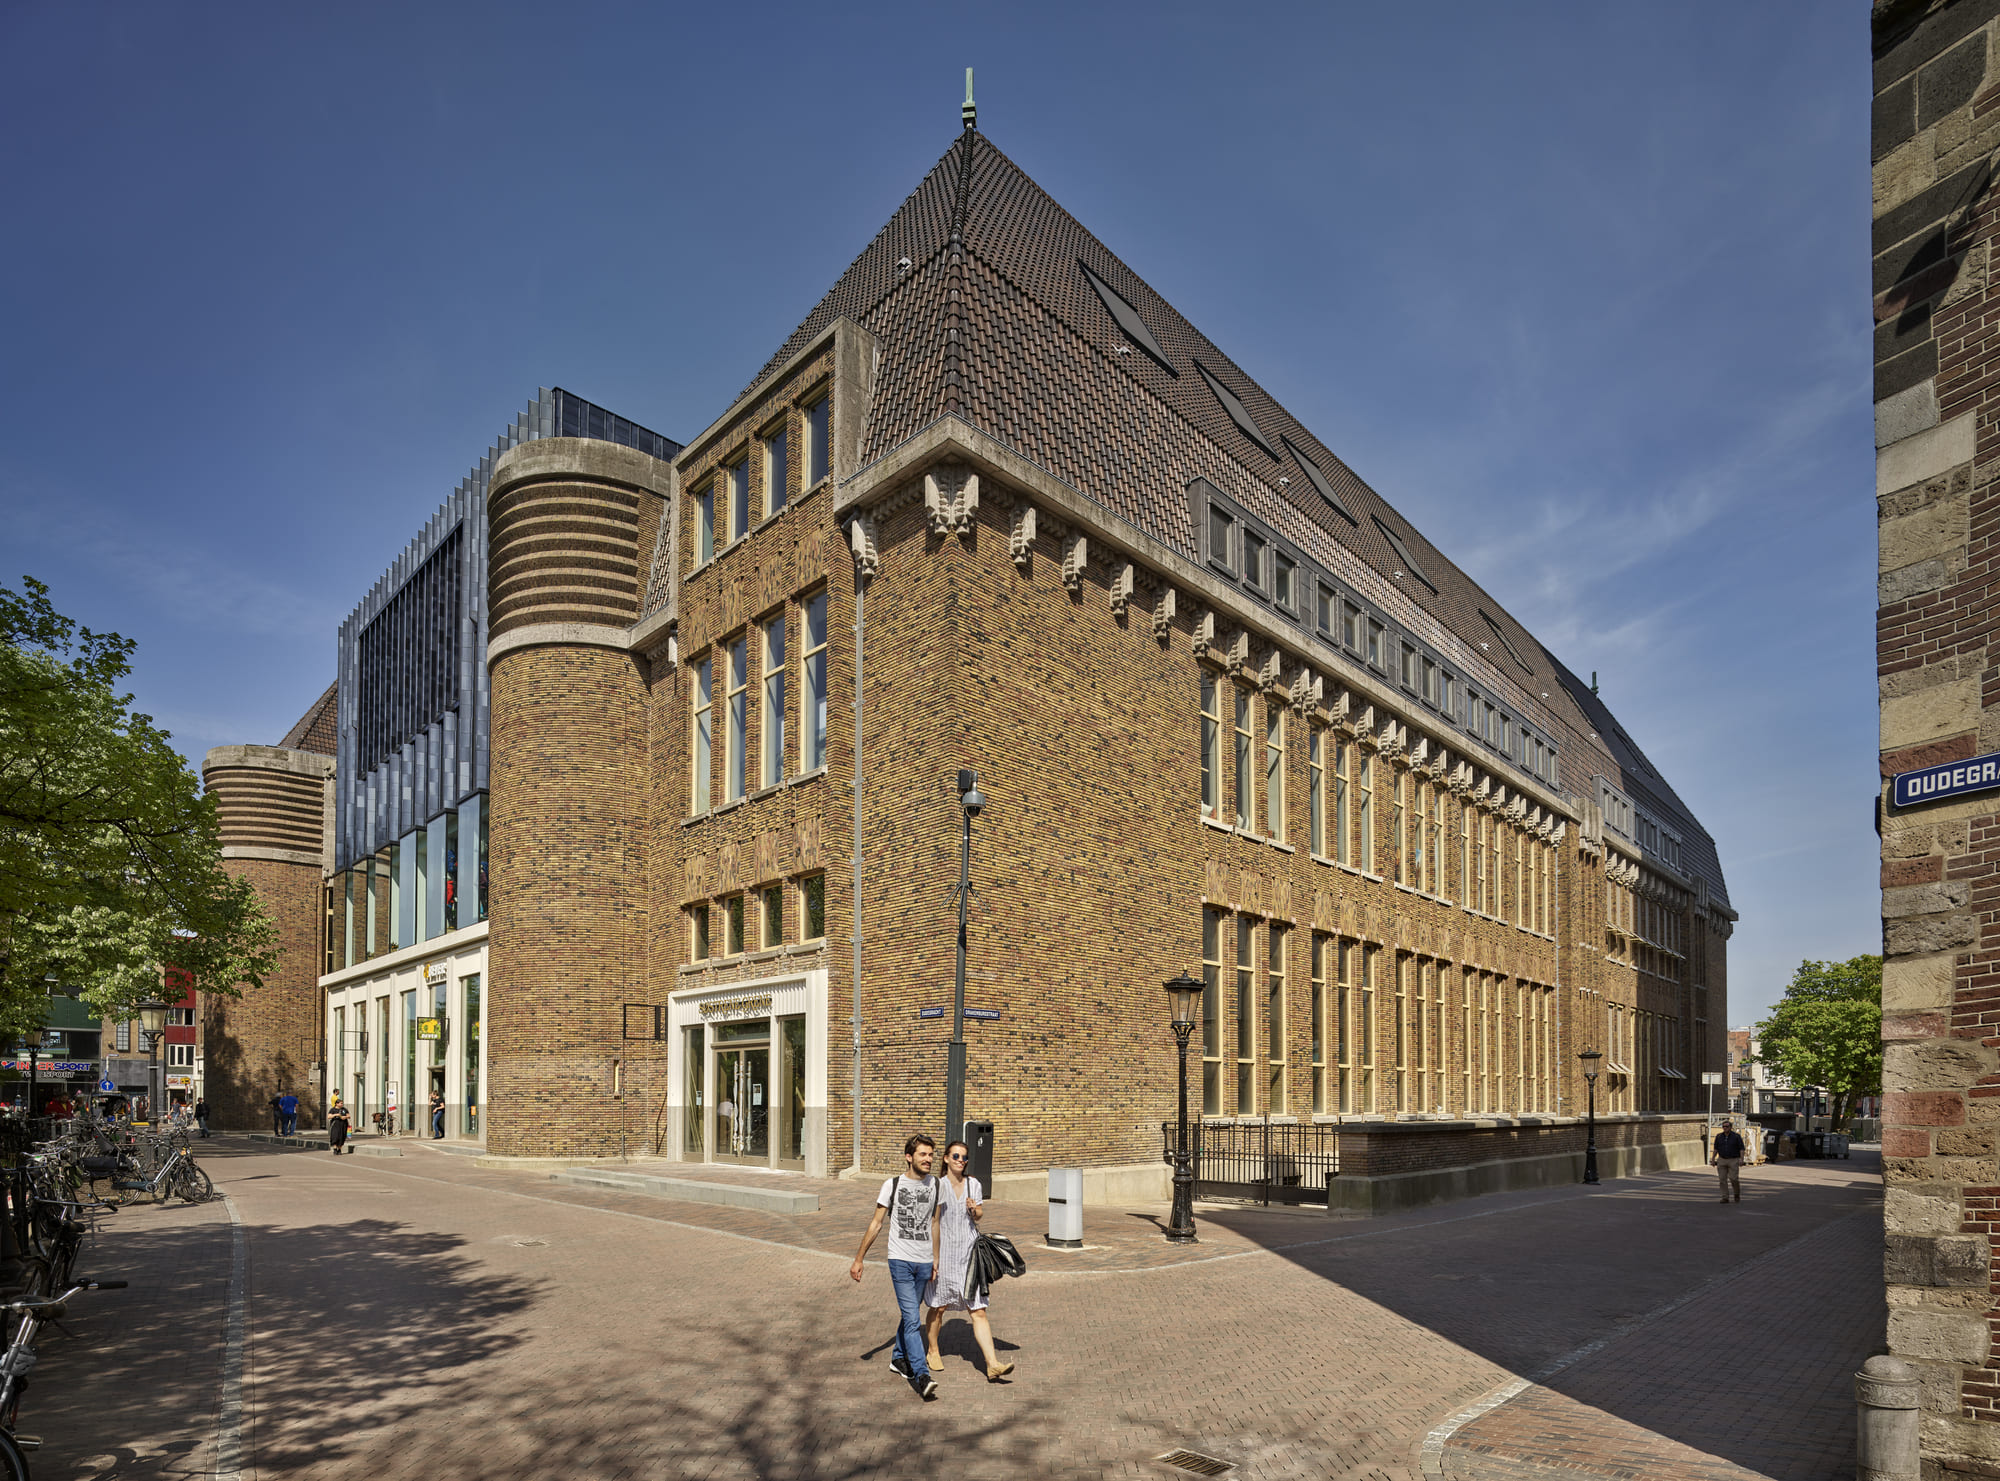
x=975 y=802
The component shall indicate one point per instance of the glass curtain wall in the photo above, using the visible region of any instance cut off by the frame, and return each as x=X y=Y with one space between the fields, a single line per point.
x=431 y=881
x=470 y=1038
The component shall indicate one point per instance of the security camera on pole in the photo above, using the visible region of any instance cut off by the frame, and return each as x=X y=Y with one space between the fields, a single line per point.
x=971 y=802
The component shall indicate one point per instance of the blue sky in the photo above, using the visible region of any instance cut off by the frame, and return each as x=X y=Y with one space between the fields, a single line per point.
x=1581 y=289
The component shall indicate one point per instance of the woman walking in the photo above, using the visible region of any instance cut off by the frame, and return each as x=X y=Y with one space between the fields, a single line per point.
x=957 y=1218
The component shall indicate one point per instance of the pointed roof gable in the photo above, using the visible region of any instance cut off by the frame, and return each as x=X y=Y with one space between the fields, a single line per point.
x=1014 y=333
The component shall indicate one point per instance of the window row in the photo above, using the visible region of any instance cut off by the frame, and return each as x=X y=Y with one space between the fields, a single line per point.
x=1430 y=840
x=1430 y=1039
x=731 y=502
x=1644 y=1055
x=724 y=679
x=430 y=881
x=755 y=920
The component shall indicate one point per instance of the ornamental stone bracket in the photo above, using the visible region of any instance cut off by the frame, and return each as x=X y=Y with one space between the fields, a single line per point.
x=1305 y=691
x=1237 y=657
x=1163 y=615
x=1076 y=558
x=1204 y=631
x=861 y=541
x=951 y=499
x=1122 y=582
x=1268 y=672
x=1021 y=539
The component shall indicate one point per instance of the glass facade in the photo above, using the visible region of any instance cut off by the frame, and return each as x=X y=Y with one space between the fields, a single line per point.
x=470 y=1039
x=431 y=881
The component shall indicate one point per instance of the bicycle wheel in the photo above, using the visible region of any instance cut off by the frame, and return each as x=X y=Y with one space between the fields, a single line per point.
x=13 y=1463
x=194 y=1185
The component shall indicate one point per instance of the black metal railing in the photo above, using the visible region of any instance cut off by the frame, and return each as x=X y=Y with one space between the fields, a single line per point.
x=1260 y=1161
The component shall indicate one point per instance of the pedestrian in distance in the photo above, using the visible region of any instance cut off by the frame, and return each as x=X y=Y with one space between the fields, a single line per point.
x=277 y=1118
x=337 y=1123
x=201 y=1116
x=288 y=1113
x=909 y=1202
x=957 y=1225
x=437 y=1115
x=1728 y=1160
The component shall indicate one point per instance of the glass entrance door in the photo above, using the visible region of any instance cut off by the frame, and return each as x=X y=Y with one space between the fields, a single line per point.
x=742 y=1123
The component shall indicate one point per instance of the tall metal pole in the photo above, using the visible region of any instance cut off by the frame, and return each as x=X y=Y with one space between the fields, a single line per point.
x=954 y=1074
x=1590 y=1135
x=1180 y=1224
x=153 y=1078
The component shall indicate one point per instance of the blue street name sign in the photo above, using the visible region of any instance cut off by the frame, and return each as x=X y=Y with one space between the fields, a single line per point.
x=1951 y=779
x=930 y=1012
x=984 y=1015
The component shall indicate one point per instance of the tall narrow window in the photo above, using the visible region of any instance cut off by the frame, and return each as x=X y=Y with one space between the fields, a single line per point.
x=771 y=915
x=1364 y=812
x=1218 y=537
x=1246 y=1021
x=819 y=440
x=777 y=470
x=704 y=524
x=1343 y=839
x=1521 y=876
x=1398 y=823
x=698 y=947
x=1466 y=1104
x=1369 y=954
x=1274 y=1023
x=1350 y=625
x=738 y=700
x=1244 y=818
x=1253 y=559
x=1485 y=901
x=772 y=721
x=738 y=479
x=1426 y=864
x=1321 y=946
x=1420 y=1032
x=813 y=701
x=1274 y=769
x=1211 y=745
x=1403 y=965
x=1499 y=874
x=812 y=907
x=1282 y=580
x=1316 y=791
x=1211 y=1013
x=1440 y=840
x=1344 y=1026
x=1465 y=894
x=1485 y=1042
x=704 y=732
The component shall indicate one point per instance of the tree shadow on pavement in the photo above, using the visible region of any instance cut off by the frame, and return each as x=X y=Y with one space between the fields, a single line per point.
x=1526 y=1281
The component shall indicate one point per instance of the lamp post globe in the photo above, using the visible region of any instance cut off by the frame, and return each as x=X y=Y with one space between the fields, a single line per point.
x=153 y=1024
x=1184 y=999
x=1590 y=1058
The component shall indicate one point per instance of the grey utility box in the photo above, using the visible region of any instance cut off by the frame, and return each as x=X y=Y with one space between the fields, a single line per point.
x=1066 y=1207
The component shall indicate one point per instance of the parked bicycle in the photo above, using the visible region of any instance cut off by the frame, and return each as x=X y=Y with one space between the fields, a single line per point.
x=176 y=1175
x=34 y=1312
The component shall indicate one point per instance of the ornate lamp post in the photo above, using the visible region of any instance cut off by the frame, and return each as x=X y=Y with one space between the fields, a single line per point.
x=971 y=802
x=1590 y=1057
x=1184 y=992
x=153 y=1024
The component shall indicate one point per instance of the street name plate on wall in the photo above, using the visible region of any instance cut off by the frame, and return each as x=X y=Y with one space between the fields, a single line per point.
x=1949 y=779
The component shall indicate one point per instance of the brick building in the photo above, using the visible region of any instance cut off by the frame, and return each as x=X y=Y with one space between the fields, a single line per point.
x=1935 y=129
x=996 y=505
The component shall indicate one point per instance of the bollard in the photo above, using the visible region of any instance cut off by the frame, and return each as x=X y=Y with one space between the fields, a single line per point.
x=1885 y=1428
x=1066 y=1208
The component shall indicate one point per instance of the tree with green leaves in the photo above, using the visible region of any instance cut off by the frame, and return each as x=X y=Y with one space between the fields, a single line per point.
x=1827 y=1031
x=110 y=856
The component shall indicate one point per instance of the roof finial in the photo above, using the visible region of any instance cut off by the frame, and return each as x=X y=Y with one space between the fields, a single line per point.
x=969 y=114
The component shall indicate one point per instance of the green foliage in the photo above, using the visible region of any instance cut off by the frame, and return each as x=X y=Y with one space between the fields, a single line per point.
x=110 y=856
x=1827 y=1030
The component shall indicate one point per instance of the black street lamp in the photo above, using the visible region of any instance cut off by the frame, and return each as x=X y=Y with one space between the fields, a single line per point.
x=971 y=802
x=153 y=1024
x=1185 y=994
x=1590 y=1057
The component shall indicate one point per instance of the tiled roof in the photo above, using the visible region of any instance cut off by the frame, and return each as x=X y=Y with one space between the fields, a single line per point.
x=318 y=728
x=1044 y=368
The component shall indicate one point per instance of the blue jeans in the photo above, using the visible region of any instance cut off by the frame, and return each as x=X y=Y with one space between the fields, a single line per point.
x=910 y=1280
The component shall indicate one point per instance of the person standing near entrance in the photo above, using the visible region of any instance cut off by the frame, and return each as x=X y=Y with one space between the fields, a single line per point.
x=288 y=1114
x=1728 y=1160
x=437 y=1115
x=957 y=1220
x=201 y=1115
x=337 y=1123
x=909 y=1201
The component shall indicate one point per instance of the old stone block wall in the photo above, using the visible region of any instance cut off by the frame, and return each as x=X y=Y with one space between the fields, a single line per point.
x=1936 y=125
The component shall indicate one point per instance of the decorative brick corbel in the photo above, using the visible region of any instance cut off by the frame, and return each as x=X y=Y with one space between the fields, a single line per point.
x=1238 y=656
x=1517 y=807
x=1269 y=671
x=1393 y=739
x=1364 y=727
x=1337 y=710
x=1076 y=555
x=1204 y=631
x=1556 y=833
x=1305 y=691
x=1121 y=588
x=1021 y=539
x=1460 y=780
x=1420 y=752
x=1163 y=614
x=951 y=499
x=861 y=541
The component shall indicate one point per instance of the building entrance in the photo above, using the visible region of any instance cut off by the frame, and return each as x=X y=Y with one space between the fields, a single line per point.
x=742 y=1130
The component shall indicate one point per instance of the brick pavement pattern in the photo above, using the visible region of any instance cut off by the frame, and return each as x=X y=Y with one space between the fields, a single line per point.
x=424 y=1317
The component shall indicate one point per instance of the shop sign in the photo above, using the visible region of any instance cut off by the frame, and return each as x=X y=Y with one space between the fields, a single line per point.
x=1948 y=779
x=434 y=973
x=49 y=1066
x=180 y=1082
x=430 y=1028
x=748 y=1003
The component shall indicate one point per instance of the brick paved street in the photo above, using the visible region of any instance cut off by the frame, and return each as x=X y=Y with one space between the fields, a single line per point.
x=421 y=1316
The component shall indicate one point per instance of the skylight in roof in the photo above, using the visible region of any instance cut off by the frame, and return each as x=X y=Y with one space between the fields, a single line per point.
x=1128 y=321
x=1505 y=641
x=1238 y=412
x=1318 y=480
x=1403 y=553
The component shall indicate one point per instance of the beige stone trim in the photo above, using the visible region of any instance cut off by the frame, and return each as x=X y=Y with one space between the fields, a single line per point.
x=559 y=635
x=895 y=471
x=1925 y=455
x=268 y=758
x=571 y=458
x=273 y=855
x=649 y=634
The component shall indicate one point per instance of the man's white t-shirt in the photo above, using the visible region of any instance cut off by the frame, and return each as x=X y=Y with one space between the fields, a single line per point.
x=909 y=1202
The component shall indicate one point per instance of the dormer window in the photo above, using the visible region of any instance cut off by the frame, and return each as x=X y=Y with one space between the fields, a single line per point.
x=1253 y=559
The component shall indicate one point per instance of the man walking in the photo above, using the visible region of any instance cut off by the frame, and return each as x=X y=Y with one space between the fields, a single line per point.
x=1728 y=1160
x=201 y=1115
x=288 y=1113
x=908 y=1199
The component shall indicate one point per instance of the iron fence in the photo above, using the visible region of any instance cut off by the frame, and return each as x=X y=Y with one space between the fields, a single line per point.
x=1261 y=1161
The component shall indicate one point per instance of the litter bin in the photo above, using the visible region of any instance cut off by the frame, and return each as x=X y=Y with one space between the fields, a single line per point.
x=978 y=1139
x=1066 y=1208
x=1811 y=1144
